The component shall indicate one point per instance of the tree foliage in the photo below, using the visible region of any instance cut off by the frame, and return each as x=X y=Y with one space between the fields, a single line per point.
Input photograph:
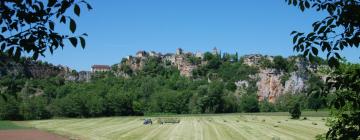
x=339 y=30
x=29 y=26
x=295 y=111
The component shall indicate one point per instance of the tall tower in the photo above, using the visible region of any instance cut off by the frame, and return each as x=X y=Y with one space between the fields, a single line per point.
x=215 y=51
x=179 y=51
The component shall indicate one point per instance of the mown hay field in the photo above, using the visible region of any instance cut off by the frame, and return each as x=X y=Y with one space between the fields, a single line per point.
x=207 y=127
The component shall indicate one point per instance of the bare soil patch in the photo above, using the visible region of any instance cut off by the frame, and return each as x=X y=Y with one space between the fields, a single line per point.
x=28 y=134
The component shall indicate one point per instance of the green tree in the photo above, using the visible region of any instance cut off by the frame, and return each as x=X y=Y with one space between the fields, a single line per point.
x=339 y=30
x=34 y=109
x=9 y=110
x=118 y=104
x=295 y=111
x=266 y=106
x=249 y=103
x=29 y=26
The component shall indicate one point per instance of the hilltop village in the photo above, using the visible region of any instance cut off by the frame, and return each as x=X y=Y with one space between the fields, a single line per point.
x=270 y=82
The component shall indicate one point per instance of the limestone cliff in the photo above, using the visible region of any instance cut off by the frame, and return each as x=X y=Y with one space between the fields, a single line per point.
x=40 y=70
x=271 y=82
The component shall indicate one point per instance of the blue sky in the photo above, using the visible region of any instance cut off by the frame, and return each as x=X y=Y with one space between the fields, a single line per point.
x=118 y=28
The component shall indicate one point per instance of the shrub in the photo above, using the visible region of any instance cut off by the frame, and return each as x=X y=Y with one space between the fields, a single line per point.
x=295 y=111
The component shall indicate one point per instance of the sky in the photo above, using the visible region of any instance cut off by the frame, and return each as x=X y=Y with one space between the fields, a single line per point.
x=118 y=28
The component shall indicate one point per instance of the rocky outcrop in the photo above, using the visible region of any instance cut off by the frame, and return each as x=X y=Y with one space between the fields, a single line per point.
x=183 y=65
x=269 y=85
x=179 y=60
x=254 y=59
x=39 y=70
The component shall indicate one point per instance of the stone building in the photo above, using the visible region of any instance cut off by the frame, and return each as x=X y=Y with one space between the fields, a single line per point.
x=141 y=54
x=100 y=68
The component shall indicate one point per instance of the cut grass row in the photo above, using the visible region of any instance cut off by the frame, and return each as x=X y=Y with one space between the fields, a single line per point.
x=197 y=127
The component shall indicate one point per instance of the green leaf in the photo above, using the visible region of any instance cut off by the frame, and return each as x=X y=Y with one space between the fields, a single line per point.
x=72 y=25
x=35 y=55
x=311 y=58
x=3 y=29
x=73 y=41
x=77 y=10
x=89 y=6
x=333 y=62
x=51 y=3
x=295 y=2
x=302 y=8
x=3 y=45
x=306 y=52
x=63 y=19
x=330 y=21
x=327 y=46
x=307 y=4
x=337 y=55
x=82 y=42
x=18 y=53
x=310 y=35
x=323 y=48
x=51 y=49
x=10 y=51
x=322 y=29
x=315 y=51
x=51 y=25
x=316 y=26
x=295 y=38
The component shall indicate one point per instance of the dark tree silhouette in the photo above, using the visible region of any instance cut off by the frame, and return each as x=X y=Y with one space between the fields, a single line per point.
x=30 y=26
x=295 y=111
x=339 y=30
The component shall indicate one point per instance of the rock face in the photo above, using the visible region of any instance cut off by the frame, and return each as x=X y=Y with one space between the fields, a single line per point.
x=29 y=68
x=270 y=85
x=40 y=70
x=269 y=82
x=184 y=66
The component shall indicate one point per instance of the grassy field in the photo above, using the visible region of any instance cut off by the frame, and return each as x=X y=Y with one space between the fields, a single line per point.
x=202 y=127
x=8 y=125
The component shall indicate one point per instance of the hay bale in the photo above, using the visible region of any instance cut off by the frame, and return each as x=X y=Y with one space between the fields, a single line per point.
x=305 y=118
x=276 y=125
x=224 y=120
x=275 y=138
x=263 y=120
x=168 y=120
x=279 y=122
x=314 y=123
x=323 y=119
